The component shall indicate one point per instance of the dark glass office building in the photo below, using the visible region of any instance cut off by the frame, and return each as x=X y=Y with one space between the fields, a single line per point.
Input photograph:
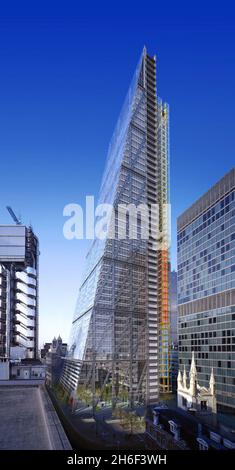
x=120 y=328
x=206 y=288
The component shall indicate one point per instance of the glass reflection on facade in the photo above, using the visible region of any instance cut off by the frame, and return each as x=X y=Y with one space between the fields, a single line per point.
x=206 y=287
x=120 y=328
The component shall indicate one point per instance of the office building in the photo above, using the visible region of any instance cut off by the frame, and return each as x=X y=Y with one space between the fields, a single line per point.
x=173 y=330
x=174 y=366
x=206 y=288
x=120 y=331
x=19 y=254
x=173 y=307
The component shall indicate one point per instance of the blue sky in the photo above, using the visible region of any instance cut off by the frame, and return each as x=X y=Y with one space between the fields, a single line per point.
x=65 y=69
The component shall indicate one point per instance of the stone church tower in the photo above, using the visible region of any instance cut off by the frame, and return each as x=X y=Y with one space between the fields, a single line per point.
x=190 y=395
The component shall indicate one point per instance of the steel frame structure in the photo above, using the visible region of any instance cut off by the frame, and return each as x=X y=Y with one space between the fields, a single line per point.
x=121 y=325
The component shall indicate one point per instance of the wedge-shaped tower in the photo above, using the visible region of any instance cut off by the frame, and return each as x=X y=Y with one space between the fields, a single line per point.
x=119 y=337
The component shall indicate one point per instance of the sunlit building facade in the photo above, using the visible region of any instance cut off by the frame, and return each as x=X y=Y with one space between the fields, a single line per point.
x=120 y=328
x=206 y=288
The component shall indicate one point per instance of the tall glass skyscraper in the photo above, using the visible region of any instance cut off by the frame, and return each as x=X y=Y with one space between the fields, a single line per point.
x=120 y=328
x=206 y=288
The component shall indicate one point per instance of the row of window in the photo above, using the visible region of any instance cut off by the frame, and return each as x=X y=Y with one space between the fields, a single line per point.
x=220 y=348
x=213 y=211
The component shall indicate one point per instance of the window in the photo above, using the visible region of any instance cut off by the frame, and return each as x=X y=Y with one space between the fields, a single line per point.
x=184 y=402
x=203 y=405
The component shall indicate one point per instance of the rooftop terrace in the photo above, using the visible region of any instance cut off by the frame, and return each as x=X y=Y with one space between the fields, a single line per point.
x=28 y=420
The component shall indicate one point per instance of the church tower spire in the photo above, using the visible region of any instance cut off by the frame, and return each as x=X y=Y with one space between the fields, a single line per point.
x=193 y=376
x=193 y=370
x=184 y=378
x=179 y=380
x=212 y=382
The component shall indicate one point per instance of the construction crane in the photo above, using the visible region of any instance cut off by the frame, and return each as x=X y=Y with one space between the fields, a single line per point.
x=12 y=213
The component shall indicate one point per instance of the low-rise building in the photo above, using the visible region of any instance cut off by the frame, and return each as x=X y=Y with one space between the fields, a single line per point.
x=176 y=429
x=28 y=370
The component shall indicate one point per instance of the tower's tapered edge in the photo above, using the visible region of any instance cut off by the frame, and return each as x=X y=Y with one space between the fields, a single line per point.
x=119 y=337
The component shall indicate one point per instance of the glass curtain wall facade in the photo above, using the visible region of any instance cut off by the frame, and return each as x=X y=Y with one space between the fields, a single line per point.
x=121 y=316
x=206 y=288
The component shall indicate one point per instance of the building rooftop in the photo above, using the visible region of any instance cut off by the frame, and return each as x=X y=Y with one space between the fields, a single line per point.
x=29 y=420
x=33 y=362
x=194 y=425
x=216 y=192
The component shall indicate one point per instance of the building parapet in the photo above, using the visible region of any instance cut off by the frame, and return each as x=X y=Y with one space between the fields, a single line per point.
x=222 y=187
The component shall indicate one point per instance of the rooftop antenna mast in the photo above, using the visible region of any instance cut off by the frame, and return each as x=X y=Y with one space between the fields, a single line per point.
x=12 y=214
